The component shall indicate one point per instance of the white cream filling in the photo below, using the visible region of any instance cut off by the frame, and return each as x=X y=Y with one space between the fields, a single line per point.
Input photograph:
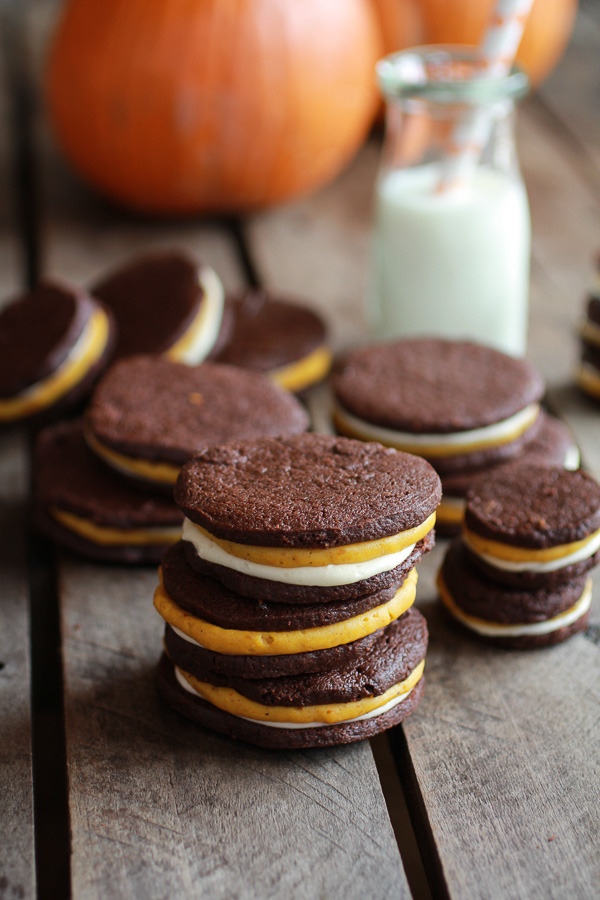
x=590 y=332
x=370 y=715
x=78 y=351
x=456 y=439
x=211 y=314
x=546 y=627
x=314 y=576
x=550 y=565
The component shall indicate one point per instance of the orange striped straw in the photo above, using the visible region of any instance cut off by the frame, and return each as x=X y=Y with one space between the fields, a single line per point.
x=496 y=55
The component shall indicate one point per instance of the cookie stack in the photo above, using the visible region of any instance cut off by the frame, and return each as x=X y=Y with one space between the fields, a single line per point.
x=466 y=408
x=288 y=602
x=104 y=489
x=518 y=576
x=588 y=372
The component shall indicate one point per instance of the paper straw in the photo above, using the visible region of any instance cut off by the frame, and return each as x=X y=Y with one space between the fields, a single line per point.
x=496 y=55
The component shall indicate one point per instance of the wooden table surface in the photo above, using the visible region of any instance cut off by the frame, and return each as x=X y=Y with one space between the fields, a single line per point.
x=495 y=791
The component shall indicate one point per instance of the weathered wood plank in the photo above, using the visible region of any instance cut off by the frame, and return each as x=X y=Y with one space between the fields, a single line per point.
x=161 y=807
x=17 y=859
x=17 y=868
x=504 y=751
x=571 y=91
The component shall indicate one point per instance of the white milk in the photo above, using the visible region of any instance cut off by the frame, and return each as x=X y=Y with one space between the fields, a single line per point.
x=452 y=264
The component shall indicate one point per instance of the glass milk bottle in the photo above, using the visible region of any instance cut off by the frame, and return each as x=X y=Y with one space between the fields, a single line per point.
x=452 y=232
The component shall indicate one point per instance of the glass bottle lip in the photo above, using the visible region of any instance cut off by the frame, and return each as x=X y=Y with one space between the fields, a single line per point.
x=423 y=72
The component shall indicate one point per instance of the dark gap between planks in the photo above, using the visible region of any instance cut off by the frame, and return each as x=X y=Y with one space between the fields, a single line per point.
x=419 y=818
x=51 y=816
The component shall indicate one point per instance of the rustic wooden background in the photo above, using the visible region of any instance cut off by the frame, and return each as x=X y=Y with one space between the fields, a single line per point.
x=109 y=794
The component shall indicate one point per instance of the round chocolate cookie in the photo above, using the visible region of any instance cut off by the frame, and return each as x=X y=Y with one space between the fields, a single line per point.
x=164 y=302
x=513 y=618
x=279 y=337
x=534 y=506
x=148 y=415
x=279 y=592
x=401 y=634
x=459 y=404
x=54 y=342
x=306 y=491
x=80 y=505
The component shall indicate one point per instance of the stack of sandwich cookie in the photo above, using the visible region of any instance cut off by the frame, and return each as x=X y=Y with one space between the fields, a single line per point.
x=81 y=506
x=149 y=414
x=164 y=302
x=289 y=600
x=588 y=372
x=54 y=342
x=462 y=406
x=519 y=573
x=277 y=336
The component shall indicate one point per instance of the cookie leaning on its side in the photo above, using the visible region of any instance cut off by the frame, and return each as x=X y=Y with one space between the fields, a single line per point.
x=312 y=512
x=166 y=302
x=55 y=341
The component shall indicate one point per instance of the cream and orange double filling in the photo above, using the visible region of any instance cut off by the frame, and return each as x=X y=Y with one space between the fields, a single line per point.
x=314 y=512
x=519 y=571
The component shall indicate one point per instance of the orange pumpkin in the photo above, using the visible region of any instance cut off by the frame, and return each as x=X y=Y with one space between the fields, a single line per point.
x=181 y=106
x=464 y=22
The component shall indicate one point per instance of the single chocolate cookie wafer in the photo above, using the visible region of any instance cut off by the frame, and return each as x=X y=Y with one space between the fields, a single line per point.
x=149 y=414
x=511 y=617
x=82 y=506
x=458 y=404
x=533 y=525
x=164 y=302
x=55 y=341
x=280 y=337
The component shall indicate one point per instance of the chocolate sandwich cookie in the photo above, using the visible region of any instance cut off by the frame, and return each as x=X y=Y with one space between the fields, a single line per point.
x=312 y=511
x=588 y=372
x=515 y=617
x=82 y=506
x=149 y=414
x=164 y=302
x=311 y=726
x=55 y=340
x=462 y=406
x=533 y=525
x=553 y=445
x=236 y=635
x=280 y=337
